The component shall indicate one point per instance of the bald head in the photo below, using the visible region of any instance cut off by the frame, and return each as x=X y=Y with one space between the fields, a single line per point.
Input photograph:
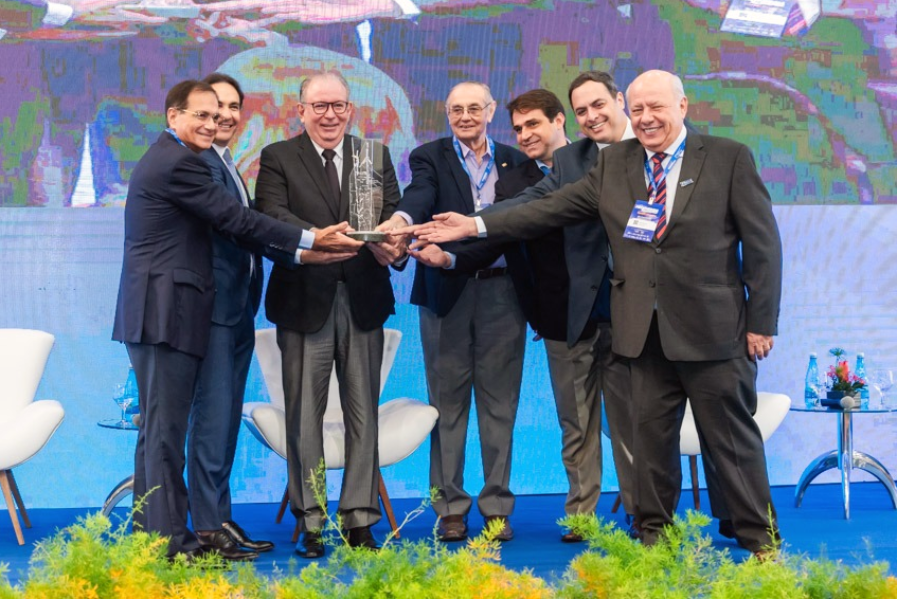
x=657 y=108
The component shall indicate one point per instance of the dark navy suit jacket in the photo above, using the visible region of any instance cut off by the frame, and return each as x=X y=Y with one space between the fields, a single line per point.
x=439 y=184
x=235 y=283
x=167 y=288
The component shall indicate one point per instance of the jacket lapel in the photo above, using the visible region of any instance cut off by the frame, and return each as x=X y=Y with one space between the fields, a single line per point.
x=461 y=178
x=314 y=166
x=635 y=173
x=692 y=161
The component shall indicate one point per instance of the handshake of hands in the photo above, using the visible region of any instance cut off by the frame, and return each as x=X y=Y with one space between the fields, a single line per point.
x=332 y=244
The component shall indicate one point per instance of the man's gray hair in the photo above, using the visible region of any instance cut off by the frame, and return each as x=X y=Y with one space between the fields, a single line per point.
x=487 y=93
x=303 y=88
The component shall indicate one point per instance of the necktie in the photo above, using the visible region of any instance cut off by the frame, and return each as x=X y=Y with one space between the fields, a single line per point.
x=332 y=176
x=660 y=198
x=232 y=169
x=545 y=169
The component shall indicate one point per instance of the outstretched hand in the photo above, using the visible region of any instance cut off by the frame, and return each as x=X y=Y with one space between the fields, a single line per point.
x=448 y=226
x=429 y=254
x=332 y=239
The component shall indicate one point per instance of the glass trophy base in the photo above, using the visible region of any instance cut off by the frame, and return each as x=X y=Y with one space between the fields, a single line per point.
x=375 y=236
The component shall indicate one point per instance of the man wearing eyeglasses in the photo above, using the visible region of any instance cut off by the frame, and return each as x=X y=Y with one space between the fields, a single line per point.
x=472 y=328
x=330 y=311
x=164 y=308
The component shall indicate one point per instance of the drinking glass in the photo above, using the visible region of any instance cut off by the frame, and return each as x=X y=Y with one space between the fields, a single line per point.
x=124 y=401
x=883 y=380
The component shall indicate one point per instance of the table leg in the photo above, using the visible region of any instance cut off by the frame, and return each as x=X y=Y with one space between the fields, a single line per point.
x=119 y=492
x=867 y=463
x=845 y=457
x=824 y=463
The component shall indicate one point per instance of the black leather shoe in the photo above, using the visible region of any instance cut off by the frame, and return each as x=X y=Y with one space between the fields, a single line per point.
x=362 y=538
x=452 y=528
x=242 y=539
x=310 y=545
x=221 y=543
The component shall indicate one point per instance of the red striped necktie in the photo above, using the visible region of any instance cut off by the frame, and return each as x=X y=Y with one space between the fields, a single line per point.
x=659 y=187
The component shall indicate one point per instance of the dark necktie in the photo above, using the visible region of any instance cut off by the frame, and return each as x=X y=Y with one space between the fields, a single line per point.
x=332 y=176
x=660 y=198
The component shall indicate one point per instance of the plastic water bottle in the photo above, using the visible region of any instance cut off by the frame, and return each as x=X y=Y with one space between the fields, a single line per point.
x=811 y=386
x=860 y=372
x=132 y=391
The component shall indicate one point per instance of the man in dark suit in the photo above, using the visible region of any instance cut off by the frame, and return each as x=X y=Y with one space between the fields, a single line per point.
x=694 y=299
x=218 y=401
x=329 y=312
x=472 y=329
x=164 y=308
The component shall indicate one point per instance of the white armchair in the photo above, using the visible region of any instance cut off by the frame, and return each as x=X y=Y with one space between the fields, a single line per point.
x=771 y=411
x=403 y=423
x=25 y=425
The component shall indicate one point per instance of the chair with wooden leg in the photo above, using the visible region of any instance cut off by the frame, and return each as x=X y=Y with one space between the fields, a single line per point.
x=403 y=423
x=25 y=425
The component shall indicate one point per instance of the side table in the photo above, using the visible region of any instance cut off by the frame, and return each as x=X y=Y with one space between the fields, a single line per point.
x=844 y=458
x=126 y=486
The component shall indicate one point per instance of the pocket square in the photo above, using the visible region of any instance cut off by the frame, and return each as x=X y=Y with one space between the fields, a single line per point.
x=686 y=183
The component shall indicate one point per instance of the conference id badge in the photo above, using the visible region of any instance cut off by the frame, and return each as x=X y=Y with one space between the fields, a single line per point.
x=643 y=221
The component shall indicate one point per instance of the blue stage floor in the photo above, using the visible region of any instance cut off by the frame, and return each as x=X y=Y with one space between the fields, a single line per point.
x=816 y=528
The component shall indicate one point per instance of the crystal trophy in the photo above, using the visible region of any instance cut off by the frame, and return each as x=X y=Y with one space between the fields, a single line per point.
x=366 y=190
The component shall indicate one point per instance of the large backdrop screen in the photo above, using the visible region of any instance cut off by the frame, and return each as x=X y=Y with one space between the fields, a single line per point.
x=810 y=87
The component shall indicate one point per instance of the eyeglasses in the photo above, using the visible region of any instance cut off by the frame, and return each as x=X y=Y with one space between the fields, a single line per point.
x=321 y=107
x=474 y=110
x=201 y=115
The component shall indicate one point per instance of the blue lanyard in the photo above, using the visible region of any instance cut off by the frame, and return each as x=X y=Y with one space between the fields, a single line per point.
x=489 y=166
x=176 y=138
x=650 y=172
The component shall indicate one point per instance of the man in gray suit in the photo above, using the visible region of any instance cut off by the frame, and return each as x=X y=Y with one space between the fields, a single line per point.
x=330 y=311
x=694 y=299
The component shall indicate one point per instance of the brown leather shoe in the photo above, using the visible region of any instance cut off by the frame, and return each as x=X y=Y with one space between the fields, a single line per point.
x=506 y=533
x=571 y=537
x=362 y=538
x=452 y=528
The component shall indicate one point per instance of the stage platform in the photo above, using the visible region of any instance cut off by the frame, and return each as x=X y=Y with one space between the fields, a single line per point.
x=816 y=528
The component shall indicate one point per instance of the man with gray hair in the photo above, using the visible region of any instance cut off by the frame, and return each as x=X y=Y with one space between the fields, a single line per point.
x=330 y=310
x=472 y=328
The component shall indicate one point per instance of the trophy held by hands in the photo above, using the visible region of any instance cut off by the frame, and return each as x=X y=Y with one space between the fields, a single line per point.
x=366 y=190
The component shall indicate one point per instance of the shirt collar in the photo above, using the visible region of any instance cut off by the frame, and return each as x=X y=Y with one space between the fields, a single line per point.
x=467 y=152
x=540 y=164
x=628 y=133
x=220 y=149
x=672 y=147
x=338 y=149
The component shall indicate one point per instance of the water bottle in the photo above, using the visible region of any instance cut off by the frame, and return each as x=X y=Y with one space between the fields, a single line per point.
x=132 y=391
x=811 y=386
x=860 y=372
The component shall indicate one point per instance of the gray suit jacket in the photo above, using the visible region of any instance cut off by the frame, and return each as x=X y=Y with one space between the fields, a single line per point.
x=716 y=273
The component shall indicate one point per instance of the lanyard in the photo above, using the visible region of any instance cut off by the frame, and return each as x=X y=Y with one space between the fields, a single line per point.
x=176 y=138
x=489 y=166
x=649 y=171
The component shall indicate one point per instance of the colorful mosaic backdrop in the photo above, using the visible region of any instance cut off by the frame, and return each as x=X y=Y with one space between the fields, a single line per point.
x=81 y=92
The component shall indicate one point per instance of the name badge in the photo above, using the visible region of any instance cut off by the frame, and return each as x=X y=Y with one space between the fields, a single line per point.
x=643 y=221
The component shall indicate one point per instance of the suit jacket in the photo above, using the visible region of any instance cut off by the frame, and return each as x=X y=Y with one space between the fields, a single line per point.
x=292 y=187
x=236 y=284
x=439 y=184
x=167 y=288
x=536 y=267
x=715 y=274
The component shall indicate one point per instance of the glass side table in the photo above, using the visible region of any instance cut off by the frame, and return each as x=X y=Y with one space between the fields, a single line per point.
x=844 y=458
x=126 y=486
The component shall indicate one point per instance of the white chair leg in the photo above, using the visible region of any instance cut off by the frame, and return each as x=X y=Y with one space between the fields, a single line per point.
x=5 y=477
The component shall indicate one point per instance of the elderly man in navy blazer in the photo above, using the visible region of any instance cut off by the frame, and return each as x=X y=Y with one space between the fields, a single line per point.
x=472 y=328
x=167 y=290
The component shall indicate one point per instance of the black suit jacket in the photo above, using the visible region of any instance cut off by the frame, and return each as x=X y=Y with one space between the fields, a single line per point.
x=291 y=187
x=536 y=267
x=715 y=274
x=236 y=284
x=167 y=288
x=439 y=184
